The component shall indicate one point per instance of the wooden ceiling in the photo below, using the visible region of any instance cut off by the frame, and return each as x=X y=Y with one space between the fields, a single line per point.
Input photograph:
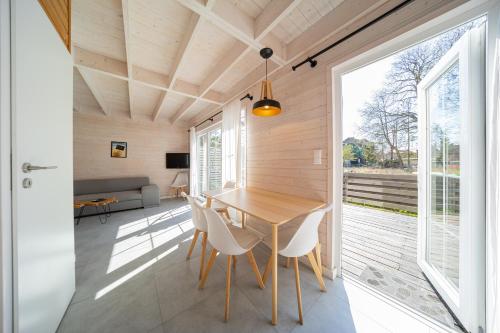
x=172 y=60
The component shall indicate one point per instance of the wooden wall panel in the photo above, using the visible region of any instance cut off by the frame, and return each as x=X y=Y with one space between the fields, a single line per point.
x=59 y=13
x=147 y=144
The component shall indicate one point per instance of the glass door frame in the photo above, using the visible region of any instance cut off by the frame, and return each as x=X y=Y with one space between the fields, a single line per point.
x=206 y=131
x=335 y=71
x=465 y=299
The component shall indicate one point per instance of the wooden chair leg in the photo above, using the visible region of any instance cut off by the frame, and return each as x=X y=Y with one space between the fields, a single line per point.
x=318 y=257
x=234 y=263
x=297 y=286
x=267 y=270
x=203 y=252
x=193 y=243
x=287 y=264
x=255 y=269
x=226 y=212
x=228 y=288
x=210 y=263
x=315 y=268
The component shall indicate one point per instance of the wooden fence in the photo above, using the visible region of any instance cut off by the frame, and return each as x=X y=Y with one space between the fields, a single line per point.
x=386 y=191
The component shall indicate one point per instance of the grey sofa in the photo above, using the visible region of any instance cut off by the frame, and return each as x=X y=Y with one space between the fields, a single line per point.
x=131 y=193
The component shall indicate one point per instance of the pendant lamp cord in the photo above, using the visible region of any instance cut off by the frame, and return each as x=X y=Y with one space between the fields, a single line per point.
x=266 y=69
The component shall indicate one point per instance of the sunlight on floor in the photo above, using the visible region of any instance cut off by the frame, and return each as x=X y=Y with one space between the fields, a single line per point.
x=139 y=237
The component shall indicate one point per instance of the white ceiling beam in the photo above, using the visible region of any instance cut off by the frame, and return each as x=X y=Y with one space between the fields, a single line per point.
x=96 y=62
x=118 y=69
x=232 y=20
x=183 y=110
x=264 y=23
x=90 y=82
x=153 y=78
x=235 y=54
x=128 y=51
x=209 y=4
x=158 y=105
x=241 y=26
x=271 y=16
x=184 y=46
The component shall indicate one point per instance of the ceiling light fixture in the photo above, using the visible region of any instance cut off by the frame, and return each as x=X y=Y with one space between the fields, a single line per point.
x=266 y=106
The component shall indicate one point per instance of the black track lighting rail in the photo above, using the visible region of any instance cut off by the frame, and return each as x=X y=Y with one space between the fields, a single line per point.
x=211 y=118
x=250 y=97
x=311 y=60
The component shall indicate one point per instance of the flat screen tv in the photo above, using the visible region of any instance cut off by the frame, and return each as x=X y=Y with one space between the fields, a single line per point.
x=177 y=160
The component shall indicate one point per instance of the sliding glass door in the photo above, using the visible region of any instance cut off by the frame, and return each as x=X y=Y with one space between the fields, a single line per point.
x=452 y=178
x=210 y=159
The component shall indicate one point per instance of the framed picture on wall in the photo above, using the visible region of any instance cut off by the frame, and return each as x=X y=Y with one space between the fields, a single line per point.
x=118 y=149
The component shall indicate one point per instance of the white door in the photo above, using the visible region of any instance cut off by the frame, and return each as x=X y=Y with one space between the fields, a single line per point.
x=42 y=134
x=451 y=180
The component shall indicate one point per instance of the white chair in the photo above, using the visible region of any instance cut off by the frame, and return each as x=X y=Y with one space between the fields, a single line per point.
x=200 y=226
x=231 y=241
x=219 y=207
x=181 y=181
x=296 y=242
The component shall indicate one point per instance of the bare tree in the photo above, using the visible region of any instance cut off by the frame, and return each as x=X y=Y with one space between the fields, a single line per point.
x=380 y=122
x=391 y=116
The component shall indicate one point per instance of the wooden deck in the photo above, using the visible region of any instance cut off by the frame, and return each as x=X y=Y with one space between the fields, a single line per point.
x=381 y=239
x=380 y=248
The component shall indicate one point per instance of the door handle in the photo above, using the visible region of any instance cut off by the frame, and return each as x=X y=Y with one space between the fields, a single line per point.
x=27 y=167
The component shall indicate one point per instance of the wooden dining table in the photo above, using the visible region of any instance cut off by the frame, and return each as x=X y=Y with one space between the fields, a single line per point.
x=274 y=208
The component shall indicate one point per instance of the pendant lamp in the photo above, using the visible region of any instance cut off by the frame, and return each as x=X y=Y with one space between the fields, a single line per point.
x=266 y=106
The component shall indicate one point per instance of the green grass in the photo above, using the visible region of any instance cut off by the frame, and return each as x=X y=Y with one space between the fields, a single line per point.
x=398 y=211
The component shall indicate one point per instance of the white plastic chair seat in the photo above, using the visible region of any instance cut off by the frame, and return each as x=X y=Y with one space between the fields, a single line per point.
x=260 y=226
x=285 y=232
x=227 y=238
x=284 y=236
x=247 y=240
x=300 y=235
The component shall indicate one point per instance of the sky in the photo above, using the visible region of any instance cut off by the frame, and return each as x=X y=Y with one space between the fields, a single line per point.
x=357 y=88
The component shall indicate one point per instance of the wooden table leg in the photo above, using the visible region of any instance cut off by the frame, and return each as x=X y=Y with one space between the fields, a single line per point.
x=243 y=219
x=209 y=202
x=275 y=272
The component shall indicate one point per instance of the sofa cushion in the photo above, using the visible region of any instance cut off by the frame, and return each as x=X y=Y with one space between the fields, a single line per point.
x=121 y=196
x=127 y=195
x=91 y=186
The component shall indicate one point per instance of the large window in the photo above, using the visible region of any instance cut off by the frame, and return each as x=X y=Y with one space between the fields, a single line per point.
x=210 y=159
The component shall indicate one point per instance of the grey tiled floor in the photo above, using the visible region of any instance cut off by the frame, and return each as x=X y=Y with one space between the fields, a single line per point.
x=132 y=276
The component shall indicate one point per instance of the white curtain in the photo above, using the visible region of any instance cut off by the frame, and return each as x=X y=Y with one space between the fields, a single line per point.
x=493 y=180
x=231 y=136
x=193 y=171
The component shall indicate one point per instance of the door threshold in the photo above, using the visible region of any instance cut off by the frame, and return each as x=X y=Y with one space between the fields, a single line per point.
x=427 y=320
